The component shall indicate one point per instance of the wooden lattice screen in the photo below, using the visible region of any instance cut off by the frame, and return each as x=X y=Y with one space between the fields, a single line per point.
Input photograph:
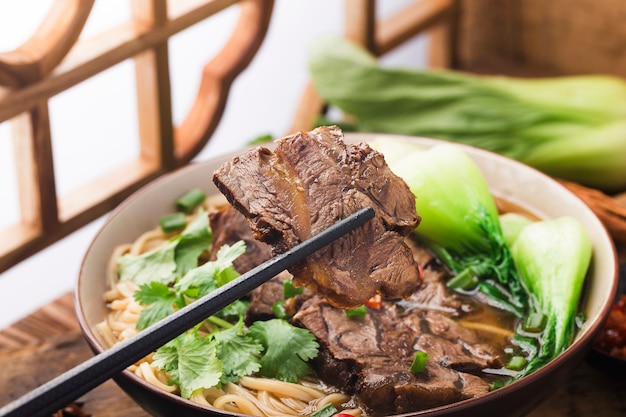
x=54 y=59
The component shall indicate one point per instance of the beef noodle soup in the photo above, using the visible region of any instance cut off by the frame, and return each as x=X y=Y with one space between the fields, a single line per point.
x=365 y=360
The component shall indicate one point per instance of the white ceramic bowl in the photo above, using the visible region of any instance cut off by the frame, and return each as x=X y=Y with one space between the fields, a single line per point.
x=508 y=179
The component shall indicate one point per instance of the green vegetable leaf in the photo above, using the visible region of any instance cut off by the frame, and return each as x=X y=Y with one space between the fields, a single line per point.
x=171 y=261
x=360 y=311
x=328 y=410
x=569 y=127
x=239 y=353
x=198 y=282
x=289 y=290
x=160 y=300
x=157 y=265
x=194 y=240
x=512 y=224
x=234 y=310
x=226 y=255
x=268 y=137
x=192 y=362
x=287 y=349
x=460 y=220
x=213 y=274
x=553 y=257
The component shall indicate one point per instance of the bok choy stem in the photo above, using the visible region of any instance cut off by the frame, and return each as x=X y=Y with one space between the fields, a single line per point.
x=553 y=257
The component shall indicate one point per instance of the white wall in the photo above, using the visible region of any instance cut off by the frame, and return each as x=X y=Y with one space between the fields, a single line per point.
x=262 y=100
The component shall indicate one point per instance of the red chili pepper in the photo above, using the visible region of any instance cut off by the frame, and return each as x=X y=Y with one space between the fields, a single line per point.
x=343 y=415
x=376 y=302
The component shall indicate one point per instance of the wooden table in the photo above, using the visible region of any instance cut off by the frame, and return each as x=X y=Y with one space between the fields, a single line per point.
x=49 y=342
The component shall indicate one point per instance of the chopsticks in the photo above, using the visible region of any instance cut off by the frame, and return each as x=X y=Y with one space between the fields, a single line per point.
x=60 y=391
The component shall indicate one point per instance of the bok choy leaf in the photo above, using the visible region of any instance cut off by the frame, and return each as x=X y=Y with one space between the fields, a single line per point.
x=552 y=257
x=572 y=127
x=460 y=222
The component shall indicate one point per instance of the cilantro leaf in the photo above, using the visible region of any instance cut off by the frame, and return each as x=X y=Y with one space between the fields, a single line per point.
x=287 y=349
x=156 y=265
x=234 y=310
x=226 y=255
x=161 y=300
x=194 y=240
x=171 y=261
x=199 y=281
x=192 y=362
x=213 y=274
x=239 y=353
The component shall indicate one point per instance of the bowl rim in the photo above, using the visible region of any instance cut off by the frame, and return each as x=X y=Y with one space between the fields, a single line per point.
x=581 y=345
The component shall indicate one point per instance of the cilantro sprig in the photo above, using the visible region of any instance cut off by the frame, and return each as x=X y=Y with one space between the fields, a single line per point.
x=286 y=349
x=191 y=361
x=167 y=263
x=162 y=300
x=272 y=348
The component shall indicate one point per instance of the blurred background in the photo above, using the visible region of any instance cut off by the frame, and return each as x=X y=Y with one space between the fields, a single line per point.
x=94 y=124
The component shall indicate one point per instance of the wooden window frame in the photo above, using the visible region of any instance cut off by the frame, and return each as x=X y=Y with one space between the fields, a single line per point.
x=54 y=59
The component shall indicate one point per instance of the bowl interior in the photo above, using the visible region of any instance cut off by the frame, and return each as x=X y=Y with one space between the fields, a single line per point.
x=508 y=179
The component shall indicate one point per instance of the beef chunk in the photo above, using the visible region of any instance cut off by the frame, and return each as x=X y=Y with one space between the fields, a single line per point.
x=263 y=298
x=229 y=226
x=371 y=356
x=311 y=181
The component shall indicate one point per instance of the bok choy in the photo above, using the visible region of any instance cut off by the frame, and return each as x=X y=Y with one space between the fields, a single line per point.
x=552 y=257
x=568 y=127
x=533 y=268
x=460 y=222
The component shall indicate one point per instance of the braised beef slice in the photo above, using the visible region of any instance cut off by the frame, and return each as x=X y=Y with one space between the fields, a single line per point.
x=311 y=181
x=371 y=356
x=229 y=226
x=433 y=293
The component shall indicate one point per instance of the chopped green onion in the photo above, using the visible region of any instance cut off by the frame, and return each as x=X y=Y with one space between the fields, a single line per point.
x=516 y=363
x=419 y=363
x=360 y=311
x=173 y=222
x=219 y=322
x=535 y=323
x=261 y=139
x=328 y=410
x=497 y=385
x=278 y=308
x=466 y=280
x=192 y=199
x=289 y=290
